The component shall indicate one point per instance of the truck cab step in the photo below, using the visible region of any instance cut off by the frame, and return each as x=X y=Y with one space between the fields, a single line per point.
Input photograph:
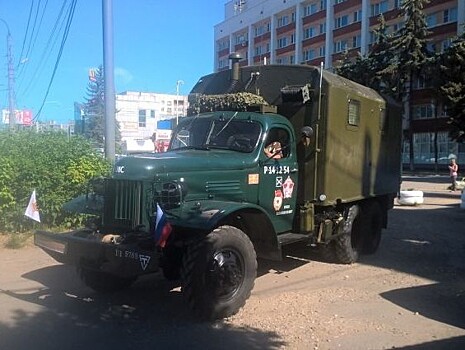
x=288 y=238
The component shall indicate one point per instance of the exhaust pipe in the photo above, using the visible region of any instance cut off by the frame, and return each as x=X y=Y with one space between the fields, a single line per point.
x=235 y=58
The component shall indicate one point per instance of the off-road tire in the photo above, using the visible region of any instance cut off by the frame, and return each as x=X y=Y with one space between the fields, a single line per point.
x=372 y=227
x=218 y=273
x=103 y=282
x=349 y=244
x=328 y=252
x=171 y=264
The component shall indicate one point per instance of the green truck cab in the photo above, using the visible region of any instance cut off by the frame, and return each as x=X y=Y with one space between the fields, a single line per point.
x=226 y=197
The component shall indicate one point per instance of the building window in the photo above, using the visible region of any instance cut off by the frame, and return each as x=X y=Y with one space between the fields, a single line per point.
x=431 y=20
x=356 y=40
x=292 y=38
x=357 y=16
x=309 y=55
x=152 y=113
x=379 y=8
x=323 y=28
x=445 y=44
x=431 y=47
x=322 y=5
x=353 y=115
x=292 y=59
x=450 y=15
x=241 y=38
x=142 y=118
x=341 y=21
x=339 y=1
x=282 y=42
x=423 y=147
x=322 y=51
x=223 y=45
x=422 y=112
x=340 y=46
x=283 y=21
x=309 y=32
x=310 y=9
x=222 y=63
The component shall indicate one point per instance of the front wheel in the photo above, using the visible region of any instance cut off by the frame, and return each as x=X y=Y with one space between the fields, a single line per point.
x=218 y=273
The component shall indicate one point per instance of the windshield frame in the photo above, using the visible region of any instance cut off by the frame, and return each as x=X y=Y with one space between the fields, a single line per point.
x=228 y=132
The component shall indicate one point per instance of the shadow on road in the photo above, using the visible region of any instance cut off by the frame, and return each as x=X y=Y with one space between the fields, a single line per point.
x=149 y=315
x=427 y=241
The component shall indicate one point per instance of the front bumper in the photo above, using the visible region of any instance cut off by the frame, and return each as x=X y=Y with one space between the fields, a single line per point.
x=82 y=249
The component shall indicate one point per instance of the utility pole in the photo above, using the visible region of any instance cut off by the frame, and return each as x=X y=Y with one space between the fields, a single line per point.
x=11 y=79
x=108 y=72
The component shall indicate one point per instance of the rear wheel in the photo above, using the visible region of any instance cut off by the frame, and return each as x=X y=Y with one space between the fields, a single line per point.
x=219 y=272
x=328 y=252
x=372 y=227
x=103 y=282
x=349 y=245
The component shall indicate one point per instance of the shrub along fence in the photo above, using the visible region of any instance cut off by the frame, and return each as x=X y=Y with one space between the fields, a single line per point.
x=57 y=166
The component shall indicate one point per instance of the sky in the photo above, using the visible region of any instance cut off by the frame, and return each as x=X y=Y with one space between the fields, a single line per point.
x=156 y=43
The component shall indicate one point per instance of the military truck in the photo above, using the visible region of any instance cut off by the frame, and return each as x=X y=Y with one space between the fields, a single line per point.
x=203 y=211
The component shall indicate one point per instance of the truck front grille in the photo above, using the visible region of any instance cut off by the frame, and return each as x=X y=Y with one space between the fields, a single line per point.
x=124 y=203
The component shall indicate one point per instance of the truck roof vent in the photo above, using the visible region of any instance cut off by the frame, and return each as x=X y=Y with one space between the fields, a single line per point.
x=296 y=93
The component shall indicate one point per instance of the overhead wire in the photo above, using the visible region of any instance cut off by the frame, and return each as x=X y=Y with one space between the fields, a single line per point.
x=62 y=45
x=25 y=35
x=47 y=51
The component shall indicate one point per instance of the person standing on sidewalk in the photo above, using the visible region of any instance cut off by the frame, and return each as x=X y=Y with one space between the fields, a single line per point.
x=453 y=170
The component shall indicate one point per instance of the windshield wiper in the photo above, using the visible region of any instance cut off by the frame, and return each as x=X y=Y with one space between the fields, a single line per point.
x=225 y=125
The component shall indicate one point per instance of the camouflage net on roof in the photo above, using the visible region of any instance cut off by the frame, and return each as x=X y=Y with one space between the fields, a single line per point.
x=225 y=102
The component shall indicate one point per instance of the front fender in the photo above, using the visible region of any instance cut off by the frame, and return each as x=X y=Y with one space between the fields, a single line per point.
x=248 y=217
x=207 y=215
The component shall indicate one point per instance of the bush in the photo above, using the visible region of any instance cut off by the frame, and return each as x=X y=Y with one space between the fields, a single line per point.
x=56 y=166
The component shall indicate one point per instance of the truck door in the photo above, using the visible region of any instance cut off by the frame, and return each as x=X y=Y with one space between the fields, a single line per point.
x=278 y=184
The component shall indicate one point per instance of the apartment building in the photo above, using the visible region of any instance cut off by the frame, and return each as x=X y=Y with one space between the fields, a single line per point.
x=320 y=31
x=138 y=113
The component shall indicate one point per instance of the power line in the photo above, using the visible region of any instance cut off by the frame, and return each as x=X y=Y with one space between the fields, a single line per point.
x=47 y=51
x=27 y=30
x=65 y=36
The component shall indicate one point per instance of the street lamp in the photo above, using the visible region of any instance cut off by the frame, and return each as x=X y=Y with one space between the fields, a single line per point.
x=179 y=82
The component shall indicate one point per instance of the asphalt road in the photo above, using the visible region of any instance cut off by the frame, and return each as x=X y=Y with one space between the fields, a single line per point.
x=409 y=295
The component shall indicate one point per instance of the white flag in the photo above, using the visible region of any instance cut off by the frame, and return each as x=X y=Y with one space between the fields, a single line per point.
x=32 y=209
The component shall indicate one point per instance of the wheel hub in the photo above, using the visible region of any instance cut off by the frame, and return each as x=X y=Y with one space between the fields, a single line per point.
x=225 y=273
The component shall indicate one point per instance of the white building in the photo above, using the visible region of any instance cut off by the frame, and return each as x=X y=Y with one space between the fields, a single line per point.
x=137 y=115
x=315 y=31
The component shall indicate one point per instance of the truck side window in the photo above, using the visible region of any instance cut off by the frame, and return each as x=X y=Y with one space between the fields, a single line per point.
x=277 y=144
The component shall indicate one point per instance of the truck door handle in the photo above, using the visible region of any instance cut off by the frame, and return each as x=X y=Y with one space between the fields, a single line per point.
x=294 y=170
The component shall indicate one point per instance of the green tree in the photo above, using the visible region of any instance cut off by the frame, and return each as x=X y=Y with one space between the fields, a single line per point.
x=411 y=56
x=57 y=166
x=94 y=111
x=369 y=70
x=452 y=69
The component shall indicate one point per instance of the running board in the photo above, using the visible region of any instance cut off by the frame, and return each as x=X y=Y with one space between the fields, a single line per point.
x=288 y=238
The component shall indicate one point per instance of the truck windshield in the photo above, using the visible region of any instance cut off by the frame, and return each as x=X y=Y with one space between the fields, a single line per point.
x=228 y=133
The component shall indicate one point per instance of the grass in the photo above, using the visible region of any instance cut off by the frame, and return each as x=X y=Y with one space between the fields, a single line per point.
x=16 y=240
